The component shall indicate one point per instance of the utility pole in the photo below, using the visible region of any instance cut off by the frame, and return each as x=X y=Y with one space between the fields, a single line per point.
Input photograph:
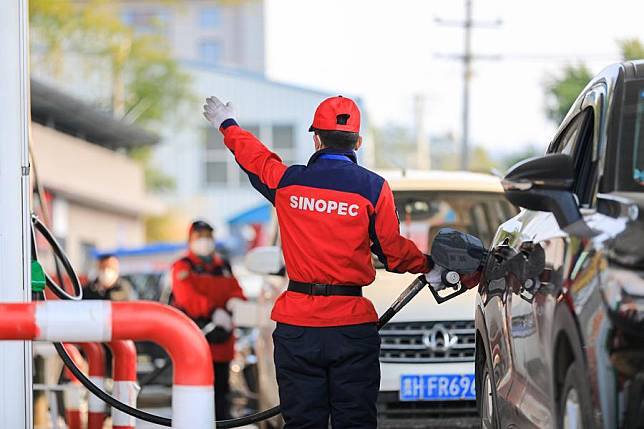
x=466 y=58
x=15 y=356
x=423 y=155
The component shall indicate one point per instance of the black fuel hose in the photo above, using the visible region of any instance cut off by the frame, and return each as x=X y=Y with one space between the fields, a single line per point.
x=60 y=257
x=59 y=291
x=59 y=254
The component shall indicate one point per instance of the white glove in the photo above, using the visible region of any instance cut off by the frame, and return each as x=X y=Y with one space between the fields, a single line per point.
x=435 y=278
x=221 y=318
x=217 y=112
x=233 y=303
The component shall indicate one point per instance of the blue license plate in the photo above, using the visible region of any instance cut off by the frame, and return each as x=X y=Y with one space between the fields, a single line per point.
x=437 y=387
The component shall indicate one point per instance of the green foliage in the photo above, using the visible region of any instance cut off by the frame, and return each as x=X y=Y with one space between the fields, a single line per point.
x=148 y=86
x=632 y=49
x=562 y=90
x=525 y=153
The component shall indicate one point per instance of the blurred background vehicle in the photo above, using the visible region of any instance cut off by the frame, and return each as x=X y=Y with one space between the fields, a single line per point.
x=426 y=344
x=560 y=312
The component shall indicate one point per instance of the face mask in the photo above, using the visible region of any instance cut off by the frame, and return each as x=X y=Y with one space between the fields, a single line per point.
x=107 y=277
x=202 y=246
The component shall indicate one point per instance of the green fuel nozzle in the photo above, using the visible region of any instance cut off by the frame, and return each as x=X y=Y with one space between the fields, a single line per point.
x=37 y=277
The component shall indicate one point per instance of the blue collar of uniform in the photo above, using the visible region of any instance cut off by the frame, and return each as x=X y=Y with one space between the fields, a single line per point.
x=335 y=154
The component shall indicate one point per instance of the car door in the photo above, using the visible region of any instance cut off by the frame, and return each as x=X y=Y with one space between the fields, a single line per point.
x=540 y=252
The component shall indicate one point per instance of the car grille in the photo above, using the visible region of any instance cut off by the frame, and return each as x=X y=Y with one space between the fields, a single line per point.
x=424 y=342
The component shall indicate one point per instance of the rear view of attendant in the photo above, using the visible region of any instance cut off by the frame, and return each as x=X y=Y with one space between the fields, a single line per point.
x=332 y=215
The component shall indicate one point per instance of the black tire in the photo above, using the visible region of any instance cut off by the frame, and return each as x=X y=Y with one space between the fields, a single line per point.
x=486 y=395
x=574 y=404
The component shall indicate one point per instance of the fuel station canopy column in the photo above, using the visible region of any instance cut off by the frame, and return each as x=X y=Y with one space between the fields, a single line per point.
x=15 y=356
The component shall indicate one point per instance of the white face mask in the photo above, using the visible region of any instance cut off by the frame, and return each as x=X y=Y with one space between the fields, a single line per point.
x=107 y=277
x=202 y=246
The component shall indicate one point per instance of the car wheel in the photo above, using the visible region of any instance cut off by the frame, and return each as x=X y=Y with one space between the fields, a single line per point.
x=486 y=397
x=574 y=405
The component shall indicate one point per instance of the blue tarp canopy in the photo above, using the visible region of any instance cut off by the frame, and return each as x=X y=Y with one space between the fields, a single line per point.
x=259 y=214
x=150 y=249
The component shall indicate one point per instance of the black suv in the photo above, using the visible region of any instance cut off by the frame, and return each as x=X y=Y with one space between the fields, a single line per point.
x=560 y=309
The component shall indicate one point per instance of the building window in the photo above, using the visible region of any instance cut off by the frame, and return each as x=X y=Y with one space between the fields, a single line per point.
x=146 y=20
x=210 y=51
x=283 y=139
x=220 y=168
x=209 y=17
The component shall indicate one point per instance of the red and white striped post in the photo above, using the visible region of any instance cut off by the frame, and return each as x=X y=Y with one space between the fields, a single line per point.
x=104 y=321
x=73 y=393
x=96 y=409
x=125 y=387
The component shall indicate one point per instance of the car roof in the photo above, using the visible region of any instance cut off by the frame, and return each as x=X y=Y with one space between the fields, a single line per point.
x=435 y=180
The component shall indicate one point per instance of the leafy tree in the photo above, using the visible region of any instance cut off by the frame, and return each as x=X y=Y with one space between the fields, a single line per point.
x=562 y=90
x=525 y=153
x=148 y=86
x=632 y=49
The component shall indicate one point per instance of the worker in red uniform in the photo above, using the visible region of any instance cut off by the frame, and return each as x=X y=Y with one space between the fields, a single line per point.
x=332 y=215
x=203 y=287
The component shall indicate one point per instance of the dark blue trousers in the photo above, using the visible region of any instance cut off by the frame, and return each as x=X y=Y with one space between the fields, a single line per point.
x=330 y=372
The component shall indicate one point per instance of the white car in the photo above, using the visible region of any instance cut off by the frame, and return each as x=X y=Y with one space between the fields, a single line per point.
x=427 y=353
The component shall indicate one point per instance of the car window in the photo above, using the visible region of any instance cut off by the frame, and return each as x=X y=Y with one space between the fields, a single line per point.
x=423 y=214
x=638 y=142
x=631 y=150
x=576 y=141
x=567 y=142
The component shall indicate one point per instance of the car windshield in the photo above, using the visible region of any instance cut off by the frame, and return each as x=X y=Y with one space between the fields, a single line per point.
x=422 y=214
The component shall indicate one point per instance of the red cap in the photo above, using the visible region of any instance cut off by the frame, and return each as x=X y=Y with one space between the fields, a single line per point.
x=337 y=114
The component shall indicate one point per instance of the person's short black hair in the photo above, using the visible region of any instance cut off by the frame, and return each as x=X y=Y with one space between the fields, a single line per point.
x=343 y=140
x=200 y=225
x=106 y=256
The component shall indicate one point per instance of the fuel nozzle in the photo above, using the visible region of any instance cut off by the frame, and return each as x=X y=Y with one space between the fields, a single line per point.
x=462 y=257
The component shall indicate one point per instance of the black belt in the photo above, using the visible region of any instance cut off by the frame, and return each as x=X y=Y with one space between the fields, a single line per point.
x=324 y=290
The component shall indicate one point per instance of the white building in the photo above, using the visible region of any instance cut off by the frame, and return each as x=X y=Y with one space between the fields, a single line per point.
x=212 y=32
x=221 y=45
x=96 y=195
x=209 y=183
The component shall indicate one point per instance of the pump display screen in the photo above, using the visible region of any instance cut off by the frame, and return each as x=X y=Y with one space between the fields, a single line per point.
x=437 y=387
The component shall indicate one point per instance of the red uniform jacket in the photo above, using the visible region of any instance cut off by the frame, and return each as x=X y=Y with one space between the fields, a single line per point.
x=332 y=215
x=200 y=288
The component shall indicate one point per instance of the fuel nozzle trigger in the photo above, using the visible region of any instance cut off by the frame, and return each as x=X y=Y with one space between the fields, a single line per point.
x=460 y=254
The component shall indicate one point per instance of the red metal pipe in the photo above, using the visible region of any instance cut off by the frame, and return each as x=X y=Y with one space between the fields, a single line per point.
x=18 y=322
x=172 y=330
x=95 y=358
x=102 y=321
x=124 y=360
x=96 y=409
x=125 y=387
x=74 y=390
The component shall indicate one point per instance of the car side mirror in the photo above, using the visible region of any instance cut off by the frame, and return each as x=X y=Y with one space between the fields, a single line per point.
x=545 y=184
x=267 y=260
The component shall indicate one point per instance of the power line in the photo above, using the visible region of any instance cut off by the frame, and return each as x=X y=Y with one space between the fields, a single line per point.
x=466 y=58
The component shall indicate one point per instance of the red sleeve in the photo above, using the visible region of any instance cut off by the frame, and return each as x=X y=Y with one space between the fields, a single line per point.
x=236 y=291
x=185 y=296
x=397 y=253
x=264 y=168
